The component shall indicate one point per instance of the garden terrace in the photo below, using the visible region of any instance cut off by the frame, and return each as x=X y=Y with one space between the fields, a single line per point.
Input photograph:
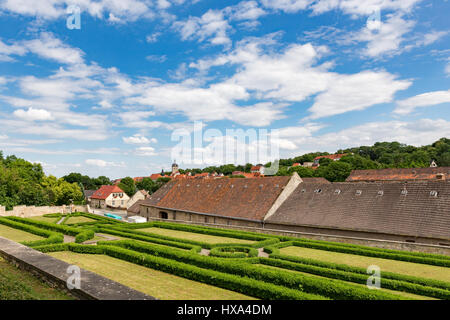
x=233 y=264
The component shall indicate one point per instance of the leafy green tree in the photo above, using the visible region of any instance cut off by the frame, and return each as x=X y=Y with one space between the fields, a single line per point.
x=127 y=185
x=146 y=184
x=337 y=171
x=302 y=172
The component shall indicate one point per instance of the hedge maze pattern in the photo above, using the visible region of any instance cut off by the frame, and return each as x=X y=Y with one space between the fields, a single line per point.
x=236 y=266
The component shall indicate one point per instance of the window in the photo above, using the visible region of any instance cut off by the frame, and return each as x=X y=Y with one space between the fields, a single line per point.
x=113 y=203
x=358 y=192
x=121 y=202
x=174 y=216
x=163 y=215
x=434 y=193
x=410 y=241
x=337 y=191
x=404 y=192
x=380 y=193
x=318 y=191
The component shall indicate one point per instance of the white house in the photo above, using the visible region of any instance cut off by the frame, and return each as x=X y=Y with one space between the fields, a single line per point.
x=109 y=196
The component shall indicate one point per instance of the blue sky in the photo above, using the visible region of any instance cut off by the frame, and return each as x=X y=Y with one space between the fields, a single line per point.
x=106 y=99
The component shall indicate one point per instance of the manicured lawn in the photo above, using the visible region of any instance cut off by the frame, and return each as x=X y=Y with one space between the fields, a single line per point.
x=44 y=219
x=152 y=282
x=17 y=235
x=194 y=236
x=81 y=219
x=408 y=268
x=16 y=284
x=403 y=294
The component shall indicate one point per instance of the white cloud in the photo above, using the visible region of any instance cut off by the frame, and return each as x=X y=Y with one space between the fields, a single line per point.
x=46 y=46
x=6 y=51
x=211 y=26
x=156 y=58
x=289 y=6
x=136 y=139
x=103 y=163
x=417 y=133
x=427 y=99
x=358 y=7
x=356 y=92
x=127 y=10
x=33 y=114
x=153 y=37
x=245 y=10
x=146 y=151
x=387 y=39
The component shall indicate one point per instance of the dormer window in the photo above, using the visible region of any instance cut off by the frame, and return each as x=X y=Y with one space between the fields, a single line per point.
x=404 y=192
x=337 y=191
x=358 y=192
x=434 y=193
x=380 y=193
x=318 y=191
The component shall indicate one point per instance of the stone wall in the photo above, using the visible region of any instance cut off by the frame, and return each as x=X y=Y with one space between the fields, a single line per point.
x=152 y=213
x=32 y=211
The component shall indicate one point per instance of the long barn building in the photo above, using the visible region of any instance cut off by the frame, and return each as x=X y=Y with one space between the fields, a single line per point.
x=406 y=210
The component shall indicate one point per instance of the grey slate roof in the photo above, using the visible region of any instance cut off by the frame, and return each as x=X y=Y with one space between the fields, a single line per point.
x=381 y=207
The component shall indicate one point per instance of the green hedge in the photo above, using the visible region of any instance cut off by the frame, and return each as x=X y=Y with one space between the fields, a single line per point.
x=52 y=237
x=368 y=252
x=274 y=254
x=333 y=289
x=135 y=231
x=203 y=230
x=374 y=249
x=251 y=287
x=175 y=244
x=233 y=252
x=360 y=278
x=80 y=235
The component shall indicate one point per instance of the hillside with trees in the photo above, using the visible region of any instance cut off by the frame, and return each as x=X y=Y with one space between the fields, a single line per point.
x=379 y=156
x=24 y=183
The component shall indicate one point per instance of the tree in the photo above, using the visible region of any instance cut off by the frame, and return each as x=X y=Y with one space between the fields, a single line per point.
x=62 y=192
x=444 y=159
x=335 y=172
x=127 y=185
x=146 y=184
x=302 y=172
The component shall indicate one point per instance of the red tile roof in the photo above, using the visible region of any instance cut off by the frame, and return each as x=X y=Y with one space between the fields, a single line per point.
x=105 y=191
x=331 y=156
x=296 y=164
x=239 y=198
x=155 y=176
x=439 y=173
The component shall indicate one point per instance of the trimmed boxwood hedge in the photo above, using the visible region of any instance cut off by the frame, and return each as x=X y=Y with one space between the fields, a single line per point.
x=80 y=235
x=274 y=254
x=262 y=241
x=334 y=289
x=52 y=237
x=233 y=252
x=176 y=244
x=360 y=278
x=375 y=249
x=364 y=251
x=251 y=287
